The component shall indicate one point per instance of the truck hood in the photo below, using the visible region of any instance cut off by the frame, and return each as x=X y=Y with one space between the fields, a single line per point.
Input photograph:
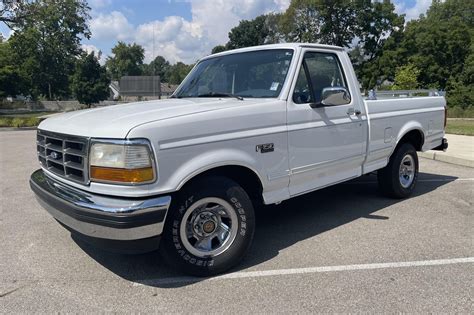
x=117 y=120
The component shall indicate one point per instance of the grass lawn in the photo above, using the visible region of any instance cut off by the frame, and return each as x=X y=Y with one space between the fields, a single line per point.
x=460 y=127
x=22 y=119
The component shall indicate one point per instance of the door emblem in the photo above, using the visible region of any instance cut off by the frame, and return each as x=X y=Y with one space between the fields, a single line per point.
x=265 y=148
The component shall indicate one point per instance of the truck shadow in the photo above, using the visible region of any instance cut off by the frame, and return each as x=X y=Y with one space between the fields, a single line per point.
x=278 y=227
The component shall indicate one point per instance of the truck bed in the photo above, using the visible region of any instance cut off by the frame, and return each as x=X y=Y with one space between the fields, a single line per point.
x=391 y=118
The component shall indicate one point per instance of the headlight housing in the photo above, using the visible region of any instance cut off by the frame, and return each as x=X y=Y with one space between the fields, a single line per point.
x=122 y=162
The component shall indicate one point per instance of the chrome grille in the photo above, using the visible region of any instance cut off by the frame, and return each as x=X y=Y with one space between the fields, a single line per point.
x=64 y=155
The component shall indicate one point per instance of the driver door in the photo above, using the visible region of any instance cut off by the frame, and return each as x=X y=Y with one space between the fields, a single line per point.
x=325 y=142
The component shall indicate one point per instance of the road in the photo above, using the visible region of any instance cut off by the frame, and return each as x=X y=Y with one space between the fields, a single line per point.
x=341 y=249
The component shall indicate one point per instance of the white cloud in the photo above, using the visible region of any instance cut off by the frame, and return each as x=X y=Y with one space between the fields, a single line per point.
x=178 y=39
x=111 y=26
x=174 y=38
x=420 y=7
x=217 y=17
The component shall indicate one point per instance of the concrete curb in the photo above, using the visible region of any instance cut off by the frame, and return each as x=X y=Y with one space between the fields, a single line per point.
x=438 y=156
x=16 y=129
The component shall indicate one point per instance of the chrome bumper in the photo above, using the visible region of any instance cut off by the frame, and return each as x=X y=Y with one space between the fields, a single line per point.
x=99 y=216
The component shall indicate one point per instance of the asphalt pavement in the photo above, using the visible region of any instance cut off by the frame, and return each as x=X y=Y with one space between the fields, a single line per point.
x=340 y=249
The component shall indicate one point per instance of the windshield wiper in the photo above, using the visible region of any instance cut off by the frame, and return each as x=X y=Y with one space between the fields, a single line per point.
x=212 y=94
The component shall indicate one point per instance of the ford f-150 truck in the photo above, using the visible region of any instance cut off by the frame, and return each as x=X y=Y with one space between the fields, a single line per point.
x=251 y=126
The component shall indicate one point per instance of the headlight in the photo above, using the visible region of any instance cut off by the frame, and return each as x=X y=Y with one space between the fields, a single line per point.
x=129 y=162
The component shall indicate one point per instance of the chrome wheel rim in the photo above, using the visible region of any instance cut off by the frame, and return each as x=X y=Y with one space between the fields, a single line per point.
x=208 y=227
x=407 y=171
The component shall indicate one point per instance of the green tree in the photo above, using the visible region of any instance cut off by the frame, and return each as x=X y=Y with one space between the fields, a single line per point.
x=178 y=72
x=342 y=22
x=406 y=78
x=274 y=29
x=460 y=89
x=90 y=83
x=300 y=22
x=127 y=60
x=376 y=21
x=46 y=43
x=12 y=12
x=332 y=22
x=248 y=33
x=218 y=49
x=159 y=66
x=379 y=28
x=12 y=81
x=438 y=44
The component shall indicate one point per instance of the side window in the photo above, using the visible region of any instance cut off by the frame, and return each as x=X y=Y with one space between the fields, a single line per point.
x=318 y=71
x=302 y=93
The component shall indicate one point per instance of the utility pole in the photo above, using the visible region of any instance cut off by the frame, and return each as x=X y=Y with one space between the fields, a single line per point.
x=153 y=62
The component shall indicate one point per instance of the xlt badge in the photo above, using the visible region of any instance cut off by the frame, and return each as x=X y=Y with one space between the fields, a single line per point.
x=264 y=148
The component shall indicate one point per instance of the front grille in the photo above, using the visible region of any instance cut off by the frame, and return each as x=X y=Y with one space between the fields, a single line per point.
x=64 y=155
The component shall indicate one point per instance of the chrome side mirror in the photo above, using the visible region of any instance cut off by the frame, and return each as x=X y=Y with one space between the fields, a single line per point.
x=333 y=96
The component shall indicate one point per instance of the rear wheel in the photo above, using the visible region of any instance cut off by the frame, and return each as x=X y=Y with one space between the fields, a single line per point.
x=209 y=228
x=398 y=178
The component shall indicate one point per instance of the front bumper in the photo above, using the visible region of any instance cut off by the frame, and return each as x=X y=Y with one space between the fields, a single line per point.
x=98 y=216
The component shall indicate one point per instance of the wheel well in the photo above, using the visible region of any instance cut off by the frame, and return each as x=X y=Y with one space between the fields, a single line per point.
x=242 y=175
x=415 y=137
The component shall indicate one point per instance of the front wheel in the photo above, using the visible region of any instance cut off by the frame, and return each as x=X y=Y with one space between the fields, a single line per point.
x=398 y=178
x=209 y=228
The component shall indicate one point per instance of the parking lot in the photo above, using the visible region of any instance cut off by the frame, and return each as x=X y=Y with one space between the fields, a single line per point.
x=341 y=249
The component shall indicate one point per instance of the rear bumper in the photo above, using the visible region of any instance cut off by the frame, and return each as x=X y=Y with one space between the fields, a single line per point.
x=443 y=146
x=98 y=216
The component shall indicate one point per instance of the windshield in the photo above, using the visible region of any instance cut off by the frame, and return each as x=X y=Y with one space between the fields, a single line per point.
x=249 y=74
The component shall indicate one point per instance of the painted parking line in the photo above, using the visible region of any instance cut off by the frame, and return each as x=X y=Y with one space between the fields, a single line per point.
x=309 y=270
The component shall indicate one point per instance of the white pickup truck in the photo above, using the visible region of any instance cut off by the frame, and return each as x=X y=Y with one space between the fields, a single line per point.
x=246 y=127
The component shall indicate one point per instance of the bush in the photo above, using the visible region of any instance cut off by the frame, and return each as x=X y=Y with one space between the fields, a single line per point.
x=18 y=122
x=4 y=122
x=459 y=112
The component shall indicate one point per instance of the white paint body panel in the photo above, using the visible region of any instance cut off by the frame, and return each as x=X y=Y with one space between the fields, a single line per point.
x=314 y=148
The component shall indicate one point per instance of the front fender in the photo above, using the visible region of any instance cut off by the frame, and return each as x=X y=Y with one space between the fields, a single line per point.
x=205 y=161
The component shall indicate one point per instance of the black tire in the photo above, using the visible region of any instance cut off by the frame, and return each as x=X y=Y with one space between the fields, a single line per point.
x=389 y=180
x=172 y=247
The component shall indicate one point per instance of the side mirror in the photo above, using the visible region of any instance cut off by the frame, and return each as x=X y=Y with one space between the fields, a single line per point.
x=332 y=96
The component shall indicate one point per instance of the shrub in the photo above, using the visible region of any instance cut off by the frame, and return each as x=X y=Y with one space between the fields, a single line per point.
x=459 y=112
x=18 y=122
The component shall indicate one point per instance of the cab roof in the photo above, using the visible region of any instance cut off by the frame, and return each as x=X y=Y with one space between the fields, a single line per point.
x=274 y=46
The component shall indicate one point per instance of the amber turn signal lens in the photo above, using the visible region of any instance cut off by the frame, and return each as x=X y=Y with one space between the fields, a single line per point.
x=121 y=175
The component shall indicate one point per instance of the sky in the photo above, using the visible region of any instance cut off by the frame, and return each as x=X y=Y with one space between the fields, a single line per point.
x=182 y=30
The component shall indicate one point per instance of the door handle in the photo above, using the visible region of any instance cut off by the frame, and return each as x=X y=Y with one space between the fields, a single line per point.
x=352 y=111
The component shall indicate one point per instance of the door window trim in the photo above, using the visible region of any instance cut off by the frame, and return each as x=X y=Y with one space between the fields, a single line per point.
x=302 y=63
